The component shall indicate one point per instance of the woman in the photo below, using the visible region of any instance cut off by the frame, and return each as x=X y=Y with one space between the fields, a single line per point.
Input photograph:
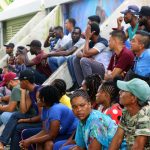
x=107 y=98
x=95 y=129
x=58 y=121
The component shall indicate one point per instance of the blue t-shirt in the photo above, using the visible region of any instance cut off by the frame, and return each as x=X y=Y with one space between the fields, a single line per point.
x=142 y=64
x=60 y=112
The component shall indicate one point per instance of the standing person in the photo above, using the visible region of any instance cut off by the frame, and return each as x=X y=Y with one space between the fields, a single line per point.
x=130 y=16
x=58 y=119
x=9 y=51
x=99 y=128
x=42 y=71
x=144 y=18
x=135 y=122
x=122 y=59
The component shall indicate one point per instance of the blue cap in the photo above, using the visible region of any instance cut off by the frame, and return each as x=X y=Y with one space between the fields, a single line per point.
x=133 y=9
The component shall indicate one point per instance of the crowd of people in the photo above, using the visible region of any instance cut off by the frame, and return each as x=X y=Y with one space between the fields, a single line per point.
x=109 y=107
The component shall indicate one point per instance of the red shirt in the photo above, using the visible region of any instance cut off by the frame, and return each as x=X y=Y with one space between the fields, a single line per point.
x=123 y=61
x=41 y=64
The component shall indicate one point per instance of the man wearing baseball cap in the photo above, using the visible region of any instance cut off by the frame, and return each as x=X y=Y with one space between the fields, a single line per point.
x=10 y=81
x=130 y=16
x=135 y=122
x=144 y=17
x=42 y=69
x=9 y=51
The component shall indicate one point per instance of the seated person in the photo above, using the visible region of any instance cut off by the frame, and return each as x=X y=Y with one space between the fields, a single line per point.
x=107 y=99
x=122 y=59
x=51 y=40
x=94 y=57
x=135 y=122
x=140 y=47
x=61 y=87
x=99 y=128
x=42 y=71
x=58 y=120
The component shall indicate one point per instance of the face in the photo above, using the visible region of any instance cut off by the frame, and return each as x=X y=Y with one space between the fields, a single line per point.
x=75 y=35
x=81 y=108
x=112 y=42
x=40 y=101
x=126 y=98
x=101 y=96
x=23 y=84
x=9 y=84
x=67 y=25
x=127 y=17
x=57 y=33
x=32 y=50
x=9 y=50
x=135 y=44
x=142 y=20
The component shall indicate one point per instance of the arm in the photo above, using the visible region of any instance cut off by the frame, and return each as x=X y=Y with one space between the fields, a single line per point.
x=95 y=145
x=117 y=139
x=139 y=143
x=4 y=99
x=8 y=108
x=53 y=132
x=110 y=75
x=47 y=42
x=25 y=101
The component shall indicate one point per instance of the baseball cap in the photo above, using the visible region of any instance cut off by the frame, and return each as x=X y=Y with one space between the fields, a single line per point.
x=7 y=77
x=145 y=11
x=133 y=9
x=27 y=75
x=36 y=43
x=10 y=45
x=137 y=87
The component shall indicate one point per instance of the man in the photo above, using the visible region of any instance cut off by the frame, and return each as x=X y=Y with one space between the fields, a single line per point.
x=69 y=25
x=42 y=71
x=66 y=52
x=10 y=81
x=144 y=18
x=28 y=117
x=135 y=122
x=129 y=18
x=95 y=19
x=122 y=59
x=94 y=57
x=140 y=47
x=9 y=51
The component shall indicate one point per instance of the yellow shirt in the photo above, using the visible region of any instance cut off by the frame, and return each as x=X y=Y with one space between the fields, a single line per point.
x=65 y=100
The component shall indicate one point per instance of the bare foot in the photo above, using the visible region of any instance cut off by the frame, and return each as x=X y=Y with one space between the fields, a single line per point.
x=1 y=146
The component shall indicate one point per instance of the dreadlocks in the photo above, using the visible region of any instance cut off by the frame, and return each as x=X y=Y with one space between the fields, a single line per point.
x=60 y=85
x=92 y=83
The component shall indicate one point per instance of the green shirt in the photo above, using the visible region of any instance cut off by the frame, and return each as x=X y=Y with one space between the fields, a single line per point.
x=16 y=95
x=136 y=125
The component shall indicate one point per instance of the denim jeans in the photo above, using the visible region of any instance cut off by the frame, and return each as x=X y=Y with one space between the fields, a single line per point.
x=4 y=117
x=11 y=126
x=59 y=144
x=55 y=62
x=16 y=136
x=71 y=68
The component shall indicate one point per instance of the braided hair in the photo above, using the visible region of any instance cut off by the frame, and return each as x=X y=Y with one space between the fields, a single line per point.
x=60 y=85
x=111 y=88
x=92 y=83
x=82 y=93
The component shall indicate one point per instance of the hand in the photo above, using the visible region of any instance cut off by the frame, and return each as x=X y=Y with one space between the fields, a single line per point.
x=88 y=33
x=24 y=144
x=108 y=75
x=79 y=54
x=22 y=120
x=119 y=21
